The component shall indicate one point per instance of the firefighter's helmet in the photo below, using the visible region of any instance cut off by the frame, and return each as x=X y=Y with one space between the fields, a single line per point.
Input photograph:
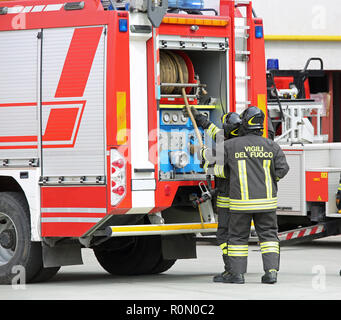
x=253 y=118
x=231 y=124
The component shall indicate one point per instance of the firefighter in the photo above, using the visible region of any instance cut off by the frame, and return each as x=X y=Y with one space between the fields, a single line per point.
x=231 y=123
x=255 y=164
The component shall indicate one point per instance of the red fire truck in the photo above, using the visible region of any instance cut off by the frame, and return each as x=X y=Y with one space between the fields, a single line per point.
x=94 y=149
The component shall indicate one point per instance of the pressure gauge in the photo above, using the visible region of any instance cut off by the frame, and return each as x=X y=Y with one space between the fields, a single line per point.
x=184 y=119
x=175 y=117
x=166 y=117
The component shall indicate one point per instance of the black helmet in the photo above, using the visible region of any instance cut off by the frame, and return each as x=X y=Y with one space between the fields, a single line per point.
x=253 y=119
x=231 y=124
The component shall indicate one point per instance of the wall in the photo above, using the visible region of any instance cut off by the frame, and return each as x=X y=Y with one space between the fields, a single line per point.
x=307 y=24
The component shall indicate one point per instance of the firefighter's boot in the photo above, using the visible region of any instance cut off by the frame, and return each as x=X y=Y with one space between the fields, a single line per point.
x=270 y=277
x=220 y=277
x=234 y=278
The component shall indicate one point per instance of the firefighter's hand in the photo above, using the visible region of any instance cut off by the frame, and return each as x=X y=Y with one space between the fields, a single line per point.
x=194 y=111
x=338 y=200
x=200 y=119
x=201 y=154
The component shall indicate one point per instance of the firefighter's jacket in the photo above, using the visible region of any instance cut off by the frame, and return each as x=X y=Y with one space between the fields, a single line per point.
x=255 y=166
x=221 y=184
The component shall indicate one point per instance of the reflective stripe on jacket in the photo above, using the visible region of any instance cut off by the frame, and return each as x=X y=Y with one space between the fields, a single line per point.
x=255 y=163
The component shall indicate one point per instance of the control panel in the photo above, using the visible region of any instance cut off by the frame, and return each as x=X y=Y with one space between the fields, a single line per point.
x=178 y=144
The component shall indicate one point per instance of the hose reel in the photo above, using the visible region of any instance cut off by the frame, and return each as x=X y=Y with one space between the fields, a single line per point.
x=169 y=72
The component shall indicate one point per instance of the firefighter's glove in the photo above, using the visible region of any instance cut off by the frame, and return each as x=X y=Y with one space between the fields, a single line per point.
x=201 y=154
x=200 y=119
x=338 y=200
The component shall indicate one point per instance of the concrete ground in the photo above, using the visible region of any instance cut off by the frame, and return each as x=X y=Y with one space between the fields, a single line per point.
x=308 y=272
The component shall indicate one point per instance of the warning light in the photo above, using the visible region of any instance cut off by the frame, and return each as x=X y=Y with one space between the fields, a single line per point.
x=272 y=64
x=123 y=25
x=119 y=190
x=259 y=32
x=118 y=163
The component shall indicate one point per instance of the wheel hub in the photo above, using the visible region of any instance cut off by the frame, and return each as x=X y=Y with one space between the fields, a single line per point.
x=7 y=239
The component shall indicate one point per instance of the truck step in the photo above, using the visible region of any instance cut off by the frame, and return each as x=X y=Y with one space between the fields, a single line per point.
x=160 y=229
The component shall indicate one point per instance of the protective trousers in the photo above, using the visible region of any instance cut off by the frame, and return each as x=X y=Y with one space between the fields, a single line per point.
x=239 y=231
x=222 y=233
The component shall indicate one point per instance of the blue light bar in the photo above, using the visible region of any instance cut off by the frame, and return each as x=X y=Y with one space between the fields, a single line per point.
x=259 y=32
x=272 y=64
x=123 y=25
x=186 y=4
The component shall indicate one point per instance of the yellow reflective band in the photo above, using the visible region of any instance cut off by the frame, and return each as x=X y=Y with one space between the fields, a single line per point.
x=221 y=198
x=223 y=205
x=224 y=117
x=253 y=201
x=269 y=243
x=212 y=130
x=272 y=270
x=219 y=171
x=238 y=246
x=223 y=202
x=203 y=154
x=268 y=180
x=244 y=190
x=234 y=133
x=269 y=247
x=205 y=167
x=223 y=245
x=253 y=204
x=275 y=37
x=250 y=208
x=121 y=117
x=238 y=250
x=251 y=123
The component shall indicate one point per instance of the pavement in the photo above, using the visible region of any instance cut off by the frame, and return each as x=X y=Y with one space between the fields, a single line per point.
x=308 y=272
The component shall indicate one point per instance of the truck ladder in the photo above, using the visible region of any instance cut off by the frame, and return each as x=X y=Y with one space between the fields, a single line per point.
x=242 y=55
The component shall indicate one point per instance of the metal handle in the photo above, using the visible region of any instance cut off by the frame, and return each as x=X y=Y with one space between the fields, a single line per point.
x=156 y=13
x=312 y=59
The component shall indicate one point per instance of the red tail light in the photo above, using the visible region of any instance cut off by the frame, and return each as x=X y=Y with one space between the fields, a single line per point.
x=118 y=177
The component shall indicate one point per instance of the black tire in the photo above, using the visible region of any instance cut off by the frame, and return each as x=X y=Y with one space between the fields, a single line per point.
x=25 y=253
x=132 y=255
x=162 y=266
x=14 y=209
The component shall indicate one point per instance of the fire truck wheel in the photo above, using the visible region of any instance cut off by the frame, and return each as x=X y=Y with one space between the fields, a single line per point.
x=131 y=255
x=20 y=258
x=163 y=265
